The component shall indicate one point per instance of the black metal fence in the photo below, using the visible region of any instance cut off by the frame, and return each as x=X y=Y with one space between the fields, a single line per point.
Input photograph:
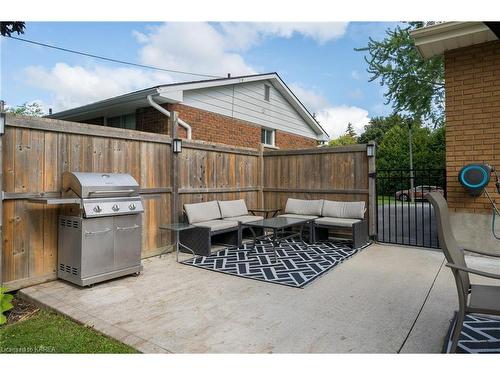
x=403 y=214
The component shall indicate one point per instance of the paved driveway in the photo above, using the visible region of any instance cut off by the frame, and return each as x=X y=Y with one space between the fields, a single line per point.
x=407 y=223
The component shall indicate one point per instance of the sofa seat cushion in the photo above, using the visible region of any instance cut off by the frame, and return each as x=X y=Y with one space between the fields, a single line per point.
x=245 y=218
x=336 y=221
x=200 y=212
x=303 y=207
x=348 y=210
x=216 y=225
x=295 y=216
x=233 y=208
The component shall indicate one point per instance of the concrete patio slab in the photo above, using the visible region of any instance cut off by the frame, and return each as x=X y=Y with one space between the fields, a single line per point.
x=367 y=304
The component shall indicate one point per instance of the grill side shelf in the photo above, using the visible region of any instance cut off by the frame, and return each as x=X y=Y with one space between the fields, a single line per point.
x=43 y=200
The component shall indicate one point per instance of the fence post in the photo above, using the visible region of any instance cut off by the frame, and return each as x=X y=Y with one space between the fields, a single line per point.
x=174 y=172
x=261 y=176
x=3 y=124
x=372 y=196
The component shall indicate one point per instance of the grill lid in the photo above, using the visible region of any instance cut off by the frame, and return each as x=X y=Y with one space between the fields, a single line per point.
x=99 y=185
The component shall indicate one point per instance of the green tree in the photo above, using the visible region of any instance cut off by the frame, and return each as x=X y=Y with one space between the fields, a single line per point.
x=414 y=85
x=27 y=109
x=393 y=153
x=428 y=148
x=8 y=28
x=376 y=129
x=350 y=130
x=343 y=140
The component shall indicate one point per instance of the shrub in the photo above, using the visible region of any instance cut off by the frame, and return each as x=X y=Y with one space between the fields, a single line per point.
x=5 y=304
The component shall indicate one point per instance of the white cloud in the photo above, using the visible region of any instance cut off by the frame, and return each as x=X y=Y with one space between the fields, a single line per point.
x=214 y=49
x=194 y=47
x=313 y=100
x=245 y=34
x=335 y=119
x=72 y=86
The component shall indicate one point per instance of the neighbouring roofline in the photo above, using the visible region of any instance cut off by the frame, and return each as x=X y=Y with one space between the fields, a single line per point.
x=437 y=39
x=138 y=96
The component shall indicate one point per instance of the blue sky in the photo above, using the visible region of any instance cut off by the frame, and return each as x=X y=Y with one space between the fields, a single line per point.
x=317 y=60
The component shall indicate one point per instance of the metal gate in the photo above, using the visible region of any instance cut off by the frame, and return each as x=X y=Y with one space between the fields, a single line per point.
x=403 y=214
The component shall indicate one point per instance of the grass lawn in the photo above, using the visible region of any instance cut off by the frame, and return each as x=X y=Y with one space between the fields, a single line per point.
x=386 y=199
x=47 y=332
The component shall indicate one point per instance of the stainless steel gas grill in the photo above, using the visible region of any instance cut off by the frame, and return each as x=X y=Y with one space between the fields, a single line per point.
x=103 y=240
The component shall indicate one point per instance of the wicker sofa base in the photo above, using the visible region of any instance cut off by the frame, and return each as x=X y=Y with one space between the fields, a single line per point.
x=359 y=232
x=200 y=239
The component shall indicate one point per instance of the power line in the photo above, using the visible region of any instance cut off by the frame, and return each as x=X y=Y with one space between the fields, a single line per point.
x=110 y=59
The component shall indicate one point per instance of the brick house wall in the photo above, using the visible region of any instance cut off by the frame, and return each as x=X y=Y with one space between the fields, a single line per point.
x=472 y=82
x=472 y=87
x=213 y=127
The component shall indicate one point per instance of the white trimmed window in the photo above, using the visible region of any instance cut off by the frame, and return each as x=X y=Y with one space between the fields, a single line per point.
x=267 y=136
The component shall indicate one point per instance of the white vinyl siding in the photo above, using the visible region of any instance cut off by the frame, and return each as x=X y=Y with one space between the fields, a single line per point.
x=247 y=102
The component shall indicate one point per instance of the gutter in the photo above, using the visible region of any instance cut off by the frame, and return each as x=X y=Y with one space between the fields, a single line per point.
x=167 y=113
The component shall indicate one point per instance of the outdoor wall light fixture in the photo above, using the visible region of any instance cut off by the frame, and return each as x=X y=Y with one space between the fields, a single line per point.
x=177 y=145
x=370 y=150
x=2 y=123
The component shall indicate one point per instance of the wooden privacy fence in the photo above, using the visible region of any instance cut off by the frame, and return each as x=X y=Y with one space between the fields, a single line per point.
x=339 y=173
x=35 y=152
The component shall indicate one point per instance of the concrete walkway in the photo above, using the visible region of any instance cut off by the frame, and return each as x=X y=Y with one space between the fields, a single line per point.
x=385 y=299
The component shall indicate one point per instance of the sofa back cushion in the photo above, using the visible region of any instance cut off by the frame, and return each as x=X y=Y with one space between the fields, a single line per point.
x=205 y=211
x=348 y=210
x=303 y=206
x=233 y=208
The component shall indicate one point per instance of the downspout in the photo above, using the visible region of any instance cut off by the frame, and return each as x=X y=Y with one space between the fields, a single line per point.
x=182 y=123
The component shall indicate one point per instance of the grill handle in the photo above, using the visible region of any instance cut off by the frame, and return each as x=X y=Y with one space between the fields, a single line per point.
x=135 y=226
x=128 y=191
x=87 y=233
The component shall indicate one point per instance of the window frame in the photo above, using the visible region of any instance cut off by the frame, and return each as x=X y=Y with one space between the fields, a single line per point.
x=122 y=119
x=264 y=136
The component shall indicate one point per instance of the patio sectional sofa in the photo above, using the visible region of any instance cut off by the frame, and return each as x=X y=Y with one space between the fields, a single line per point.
x=215 y=222
x=219 y=222
x=326 y=215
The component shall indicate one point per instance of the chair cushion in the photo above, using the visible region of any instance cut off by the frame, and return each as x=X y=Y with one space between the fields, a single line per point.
x=216 y=225
x=348 y=210
x=205 y=211
x=303 y=206
x=485 y=298
x=295 y=216
x=233 y=208
x=336 y=221
x=245 y=218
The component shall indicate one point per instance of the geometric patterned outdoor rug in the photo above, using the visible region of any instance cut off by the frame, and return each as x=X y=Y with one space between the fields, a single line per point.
x=480 y=334
x=298 y=263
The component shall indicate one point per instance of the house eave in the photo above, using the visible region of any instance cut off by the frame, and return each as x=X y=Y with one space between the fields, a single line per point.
x=435 y=40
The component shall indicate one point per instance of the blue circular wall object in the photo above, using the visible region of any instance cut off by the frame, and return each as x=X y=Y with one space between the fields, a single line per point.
x=475 y=177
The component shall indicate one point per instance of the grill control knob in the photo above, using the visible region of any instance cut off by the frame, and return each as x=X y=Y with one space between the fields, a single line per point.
x=97 y=209
x=131 y=207
x=115 y=207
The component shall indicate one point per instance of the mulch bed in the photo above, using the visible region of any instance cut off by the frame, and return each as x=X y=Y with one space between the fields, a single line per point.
x=22 y=310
